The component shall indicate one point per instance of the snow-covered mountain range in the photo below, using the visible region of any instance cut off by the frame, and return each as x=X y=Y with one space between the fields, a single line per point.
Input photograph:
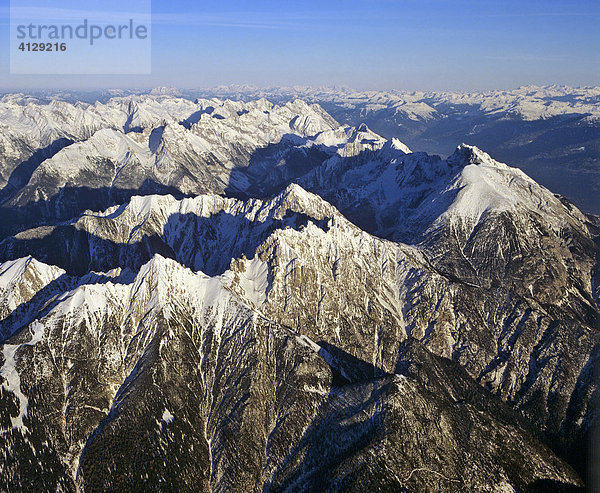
x=528 y=102
x=552 y=133
x=220 y=295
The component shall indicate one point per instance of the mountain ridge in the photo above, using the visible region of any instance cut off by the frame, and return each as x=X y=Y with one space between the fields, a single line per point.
x=361 y=291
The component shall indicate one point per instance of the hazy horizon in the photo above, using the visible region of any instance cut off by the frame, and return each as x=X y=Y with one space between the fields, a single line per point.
x=184 y=91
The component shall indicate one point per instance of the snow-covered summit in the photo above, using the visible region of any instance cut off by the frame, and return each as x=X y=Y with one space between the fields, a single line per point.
x=402 y=195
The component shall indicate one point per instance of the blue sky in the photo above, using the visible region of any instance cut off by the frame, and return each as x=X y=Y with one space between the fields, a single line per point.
x=380 y=44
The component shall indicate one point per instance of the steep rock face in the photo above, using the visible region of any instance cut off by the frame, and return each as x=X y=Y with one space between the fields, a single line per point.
x=480 y=223
x=118 y=379
x=22 y=279
x=302 y=264
x=166 y=379
x=465 y=259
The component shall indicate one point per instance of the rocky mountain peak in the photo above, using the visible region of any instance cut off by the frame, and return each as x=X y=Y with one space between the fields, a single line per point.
x=247 y=296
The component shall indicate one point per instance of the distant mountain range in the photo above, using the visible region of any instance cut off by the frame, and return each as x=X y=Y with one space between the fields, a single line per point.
x=552 y=133
x=242 y=295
